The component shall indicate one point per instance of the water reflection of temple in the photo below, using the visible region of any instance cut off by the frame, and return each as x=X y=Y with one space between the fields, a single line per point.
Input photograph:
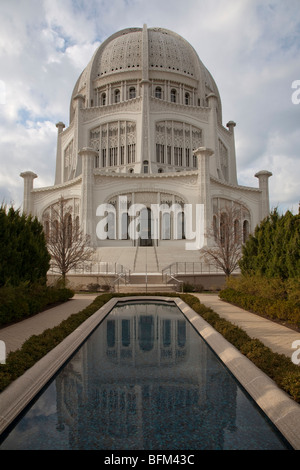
x=145 y=336
x=144 y=380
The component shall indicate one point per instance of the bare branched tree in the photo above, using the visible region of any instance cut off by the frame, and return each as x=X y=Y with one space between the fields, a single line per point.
x=67 y=244
x=227 y=236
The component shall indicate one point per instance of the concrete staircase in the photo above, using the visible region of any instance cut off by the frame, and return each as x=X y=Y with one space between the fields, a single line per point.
x=143 y=288
x=145 y=283
x=117 y=255
x=145 y=265
x=146 y=260
x=137 y=259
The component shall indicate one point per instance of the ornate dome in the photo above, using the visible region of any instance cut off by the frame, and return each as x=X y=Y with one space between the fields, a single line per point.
x=146 y=52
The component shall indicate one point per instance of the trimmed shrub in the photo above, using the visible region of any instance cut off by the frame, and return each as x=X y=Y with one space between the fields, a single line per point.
x=281 y=310
x=18 y=303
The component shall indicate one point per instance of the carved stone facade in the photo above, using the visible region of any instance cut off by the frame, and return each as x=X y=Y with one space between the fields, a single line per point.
x=146 y=123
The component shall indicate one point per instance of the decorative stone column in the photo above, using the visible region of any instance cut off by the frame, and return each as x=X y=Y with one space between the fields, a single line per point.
x=78 y=130
x=212 y=137
x=87 y=213
x=232 y=158
x=203 y=155
x=28 y=176
x=263 y=179
x=59 y=158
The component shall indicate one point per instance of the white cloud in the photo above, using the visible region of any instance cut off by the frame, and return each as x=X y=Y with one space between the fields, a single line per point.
x=251 y=47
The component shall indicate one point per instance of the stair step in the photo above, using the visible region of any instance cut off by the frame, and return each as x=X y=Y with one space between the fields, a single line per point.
x=130 y=288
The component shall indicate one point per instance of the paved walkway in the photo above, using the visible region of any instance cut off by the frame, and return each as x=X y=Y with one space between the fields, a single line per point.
x=277 y=337
x=15 y=335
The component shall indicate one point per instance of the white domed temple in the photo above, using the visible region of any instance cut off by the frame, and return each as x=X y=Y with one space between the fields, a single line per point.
x=146 y=139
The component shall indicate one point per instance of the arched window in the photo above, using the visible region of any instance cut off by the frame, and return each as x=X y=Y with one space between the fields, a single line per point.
x=173 y=95
x=224 y=229
x=117 y=96
x=187 y=98
x=111 y=226
x=77 y=227
x=245 y=231
x=180 y=226
x=166 y=226
x=158 y=92
x=160 y=170
x=103 y=99
x=54 y=231
x=236 y=231
x=124 y=226
x=132 y=93
x=215 y=227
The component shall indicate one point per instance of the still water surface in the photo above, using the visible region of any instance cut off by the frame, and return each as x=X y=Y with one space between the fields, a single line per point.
x=144 y=379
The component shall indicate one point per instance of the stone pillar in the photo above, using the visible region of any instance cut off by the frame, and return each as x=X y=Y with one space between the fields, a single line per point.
x=212 y=138
x=263 y=179
x=59 y=157
x=232 y=156
x=78 y=131
x=28 y=176
x=87 y=210
x=203 y=155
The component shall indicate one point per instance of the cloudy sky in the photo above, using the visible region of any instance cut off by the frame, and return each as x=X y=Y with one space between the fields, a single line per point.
x=251 y=47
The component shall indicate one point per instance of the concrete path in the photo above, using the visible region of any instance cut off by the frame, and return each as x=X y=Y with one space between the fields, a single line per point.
x=15 y=335
x=277 y=337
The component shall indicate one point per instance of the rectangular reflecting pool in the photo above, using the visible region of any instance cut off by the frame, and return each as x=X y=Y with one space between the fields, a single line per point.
x=143 y=380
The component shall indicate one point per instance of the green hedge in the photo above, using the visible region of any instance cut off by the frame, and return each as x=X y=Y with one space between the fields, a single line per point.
x=18 y=303
x=276 y=309
x=277 y=366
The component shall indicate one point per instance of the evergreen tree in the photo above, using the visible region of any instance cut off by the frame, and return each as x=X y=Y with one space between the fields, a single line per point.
x=23 y=251
x=274 y=248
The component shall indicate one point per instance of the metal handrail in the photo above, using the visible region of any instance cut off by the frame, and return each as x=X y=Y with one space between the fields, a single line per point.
x=190 y=267
x=176 y=280
x=135 y=256
x=156 y=257
x=119 y=277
